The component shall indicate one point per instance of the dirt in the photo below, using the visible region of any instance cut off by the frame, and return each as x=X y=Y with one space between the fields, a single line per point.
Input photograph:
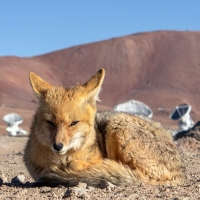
x=11 y=165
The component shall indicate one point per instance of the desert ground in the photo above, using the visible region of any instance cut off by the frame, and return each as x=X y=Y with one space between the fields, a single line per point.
x=16 y=183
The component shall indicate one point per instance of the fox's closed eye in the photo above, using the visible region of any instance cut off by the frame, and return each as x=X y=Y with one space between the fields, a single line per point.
x=73 y=123
x=50 y=123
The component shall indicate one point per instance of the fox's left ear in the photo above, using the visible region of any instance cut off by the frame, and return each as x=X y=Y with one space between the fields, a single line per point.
x=93 y=85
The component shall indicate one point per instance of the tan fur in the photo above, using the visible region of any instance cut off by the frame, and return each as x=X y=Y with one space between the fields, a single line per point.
x=116 y=147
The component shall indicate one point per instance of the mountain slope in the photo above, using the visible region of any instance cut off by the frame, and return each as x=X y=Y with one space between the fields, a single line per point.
x=161 y=68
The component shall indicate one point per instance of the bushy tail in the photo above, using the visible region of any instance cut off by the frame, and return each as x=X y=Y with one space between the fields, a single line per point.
x=108 y=171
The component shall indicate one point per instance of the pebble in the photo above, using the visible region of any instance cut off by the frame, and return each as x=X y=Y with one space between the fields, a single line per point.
x=79 y=191
x=18 y=179
x=4 y=178
x=186 y=198
x=132 y=196
x=167 y=190
x=107 y=185
x=82 y=185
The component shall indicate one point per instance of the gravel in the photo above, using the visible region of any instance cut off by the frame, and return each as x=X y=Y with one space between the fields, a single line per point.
x=16 y=183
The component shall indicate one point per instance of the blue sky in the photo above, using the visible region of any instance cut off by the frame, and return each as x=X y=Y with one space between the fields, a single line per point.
x=29 y=28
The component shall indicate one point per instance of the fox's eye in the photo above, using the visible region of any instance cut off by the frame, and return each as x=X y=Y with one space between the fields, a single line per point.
x=73 y=123
x=50 y=123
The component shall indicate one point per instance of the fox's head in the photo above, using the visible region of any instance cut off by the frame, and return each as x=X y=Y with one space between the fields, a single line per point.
x=65 y=117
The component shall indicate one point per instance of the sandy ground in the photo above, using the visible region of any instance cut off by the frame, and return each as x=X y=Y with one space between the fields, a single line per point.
x=11 y=165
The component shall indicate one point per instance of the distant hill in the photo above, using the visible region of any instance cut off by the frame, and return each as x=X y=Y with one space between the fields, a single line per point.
x=161 y=69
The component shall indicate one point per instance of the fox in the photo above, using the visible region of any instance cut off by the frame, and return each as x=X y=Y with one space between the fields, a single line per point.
x=71 y=142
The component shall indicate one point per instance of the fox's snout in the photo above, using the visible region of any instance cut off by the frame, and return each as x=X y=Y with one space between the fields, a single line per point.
x=58 y=146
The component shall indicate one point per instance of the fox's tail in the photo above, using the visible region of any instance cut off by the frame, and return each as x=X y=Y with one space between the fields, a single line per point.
x=108 y=171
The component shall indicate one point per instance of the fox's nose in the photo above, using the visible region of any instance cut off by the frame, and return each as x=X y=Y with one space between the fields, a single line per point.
x=58 y=146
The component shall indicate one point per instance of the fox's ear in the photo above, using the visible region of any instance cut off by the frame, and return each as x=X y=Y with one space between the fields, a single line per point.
x=39 y=86
x=93 y=85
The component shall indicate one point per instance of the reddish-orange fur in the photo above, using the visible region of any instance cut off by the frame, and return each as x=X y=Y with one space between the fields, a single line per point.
x=96 y=147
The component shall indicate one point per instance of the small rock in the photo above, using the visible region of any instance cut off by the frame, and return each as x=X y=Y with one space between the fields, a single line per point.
x=82 y=185
x=167 y=190
x=132 y=196
x=110 y=186
x=89 y=188
x=106 y=184
x=18 y=179
x=79 y=191
x=4 y=178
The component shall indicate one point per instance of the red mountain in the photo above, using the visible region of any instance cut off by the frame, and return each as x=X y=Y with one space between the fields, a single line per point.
x=161 y=69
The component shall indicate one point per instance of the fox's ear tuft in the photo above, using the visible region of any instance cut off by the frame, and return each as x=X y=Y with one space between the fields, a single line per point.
x=39 y=86
x=93 y=85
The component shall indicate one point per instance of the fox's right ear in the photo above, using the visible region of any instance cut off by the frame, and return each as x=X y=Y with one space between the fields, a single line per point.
x=39 y=86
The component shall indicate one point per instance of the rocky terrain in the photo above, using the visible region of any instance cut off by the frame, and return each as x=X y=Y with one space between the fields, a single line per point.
x=16 y=183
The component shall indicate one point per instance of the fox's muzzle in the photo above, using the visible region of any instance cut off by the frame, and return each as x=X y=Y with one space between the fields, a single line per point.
x=58 y=146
